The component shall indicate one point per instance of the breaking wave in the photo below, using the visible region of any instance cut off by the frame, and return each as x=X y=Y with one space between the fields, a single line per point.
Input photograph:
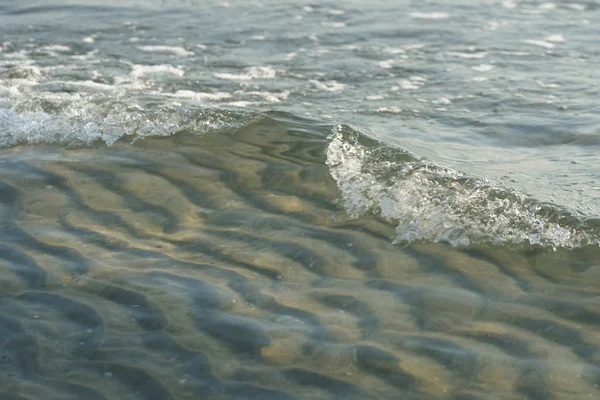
x=432 y=203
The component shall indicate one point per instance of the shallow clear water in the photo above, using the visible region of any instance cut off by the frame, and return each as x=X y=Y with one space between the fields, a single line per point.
x=284 y=199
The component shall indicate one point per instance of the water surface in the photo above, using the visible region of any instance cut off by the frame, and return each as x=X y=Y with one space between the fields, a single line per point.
x=276 y=200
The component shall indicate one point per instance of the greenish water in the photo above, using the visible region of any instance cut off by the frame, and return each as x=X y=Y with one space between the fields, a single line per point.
x=260 y=200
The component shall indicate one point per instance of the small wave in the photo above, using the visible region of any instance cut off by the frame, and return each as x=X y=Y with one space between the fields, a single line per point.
x=78 y=126
x=433 y=203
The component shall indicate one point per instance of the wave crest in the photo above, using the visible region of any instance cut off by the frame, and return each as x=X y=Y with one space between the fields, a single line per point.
x=433 y=203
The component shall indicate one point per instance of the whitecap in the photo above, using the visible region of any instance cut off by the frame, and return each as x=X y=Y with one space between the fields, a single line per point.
x=390 y=110
x=432 y=15
x=271 y=97
x=555 y=38
x=547 y=85
x=261 y=72
x=386 y=64
x=138 y=70
x=483 y=67
x=540 y=43
x=329 y=86
x=336 y=25
x=240 y=104
x=476 y=55
x=175 y=50
x=408 y=85
x=56 y=48
x=442 y=101
x=189 y=94
x=393 y=50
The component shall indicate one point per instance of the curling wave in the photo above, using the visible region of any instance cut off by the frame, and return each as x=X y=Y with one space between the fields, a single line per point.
x=434 y=203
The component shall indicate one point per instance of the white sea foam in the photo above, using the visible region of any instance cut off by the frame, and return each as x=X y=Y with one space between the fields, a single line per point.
x=175 y=50
x=232 y=77
x=412 y=84
x=261 y=72
x=329 y=86
x=386 y=64
x=241 y=104
x=476 y=55
x=540 y=43
x=138 y=70
x=393 y=50
x=547 y=85
x=189 y=94
x=415 y=46
x=390 y=110
x=432 y=15
x=483 y=67
x=555 y=38
x=547 y=6
x=442 y=100
x=55 y=48
x=333 y=24
x=271 y=97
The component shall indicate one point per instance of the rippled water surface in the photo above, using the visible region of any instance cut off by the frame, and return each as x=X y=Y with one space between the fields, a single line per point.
x=277 y=200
